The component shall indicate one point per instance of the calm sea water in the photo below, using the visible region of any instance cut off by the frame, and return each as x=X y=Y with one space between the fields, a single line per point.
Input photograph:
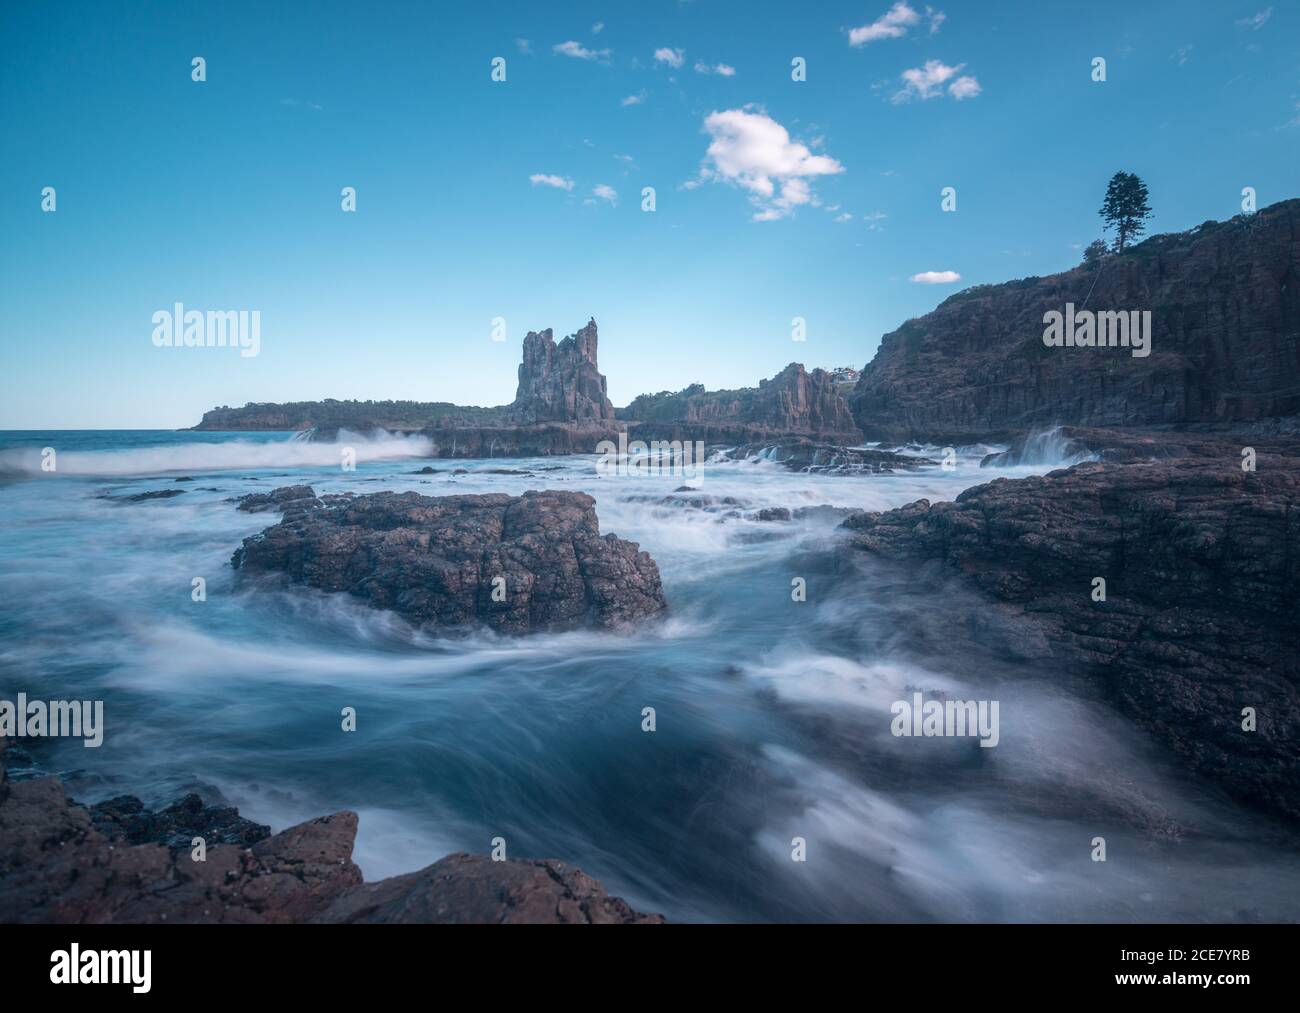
x=772 y=716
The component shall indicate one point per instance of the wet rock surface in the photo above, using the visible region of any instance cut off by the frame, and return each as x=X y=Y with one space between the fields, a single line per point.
x=57 y=864
x=1202 y=609
x=176 y=825
x=473 y=889
x=1127 y=446
x=516 y=564
x=814 y=457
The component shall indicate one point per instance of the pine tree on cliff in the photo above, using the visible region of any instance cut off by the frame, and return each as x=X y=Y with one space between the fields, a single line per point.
x=1095 y=253
x=1125 y=208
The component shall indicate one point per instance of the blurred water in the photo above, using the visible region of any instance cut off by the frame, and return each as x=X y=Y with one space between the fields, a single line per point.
x=773 y=717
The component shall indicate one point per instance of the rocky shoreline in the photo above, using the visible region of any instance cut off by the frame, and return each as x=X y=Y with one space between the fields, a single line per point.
x=561 y=407
x=117 y=862
x=1193 y=633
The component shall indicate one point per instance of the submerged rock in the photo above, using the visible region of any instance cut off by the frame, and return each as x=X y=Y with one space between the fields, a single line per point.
x=285 y=498
x=516 y=564
x=1201 y=611
x=829 y=459
x=141 y=497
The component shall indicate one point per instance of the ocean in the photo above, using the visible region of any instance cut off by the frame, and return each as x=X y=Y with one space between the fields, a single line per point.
x=772 y=716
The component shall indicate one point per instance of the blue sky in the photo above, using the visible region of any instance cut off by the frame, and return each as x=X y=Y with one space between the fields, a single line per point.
x=225 y=194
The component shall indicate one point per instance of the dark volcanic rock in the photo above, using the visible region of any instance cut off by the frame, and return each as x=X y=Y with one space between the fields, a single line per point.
x=434 y=559
x=792 y=402
x=543 y=439
x=177 y=825
x=141 y=497
x=287 y=498
x=829 y=459
x=1225 y=314
x=1202 y=610
x=58 y=865
x=474 y=890
x=1073 y=444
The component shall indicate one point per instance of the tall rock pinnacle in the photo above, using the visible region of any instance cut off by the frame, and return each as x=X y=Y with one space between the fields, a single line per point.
x=561 y=382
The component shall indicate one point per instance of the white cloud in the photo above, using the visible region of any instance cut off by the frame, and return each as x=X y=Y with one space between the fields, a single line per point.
x=936 y=277
x=893 y=24
x=597 y=28
x=751 y=150
x=846 y=217
x=1256 y=21
x=606 y=193
x=672 y=57
x=964 y=87
x=580 y=52
x=524 y=45
x=927 y=82
x=718 y=68
x=634 y=100
x=559 y=182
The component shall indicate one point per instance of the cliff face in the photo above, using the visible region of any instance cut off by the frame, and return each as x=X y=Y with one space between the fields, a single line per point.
x=794 y=402
x=1225 y=322
x=561 y=383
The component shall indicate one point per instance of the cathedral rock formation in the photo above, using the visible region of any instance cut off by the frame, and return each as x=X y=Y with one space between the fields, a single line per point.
x=561 y=382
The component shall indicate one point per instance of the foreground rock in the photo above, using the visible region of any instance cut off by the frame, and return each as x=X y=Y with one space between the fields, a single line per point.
x=125 y=817
x=57 y=865
x=473 y=889
x=1202 y=610
x=439 y=560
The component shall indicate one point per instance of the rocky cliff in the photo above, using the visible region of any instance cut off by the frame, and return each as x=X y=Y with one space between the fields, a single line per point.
x=561 y=382
x=1225 y=319
x=795 y=402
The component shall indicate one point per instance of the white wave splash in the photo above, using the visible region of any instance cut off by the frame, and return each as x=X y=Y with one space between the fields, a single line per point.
x=291 y=452
x=1049 y=448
